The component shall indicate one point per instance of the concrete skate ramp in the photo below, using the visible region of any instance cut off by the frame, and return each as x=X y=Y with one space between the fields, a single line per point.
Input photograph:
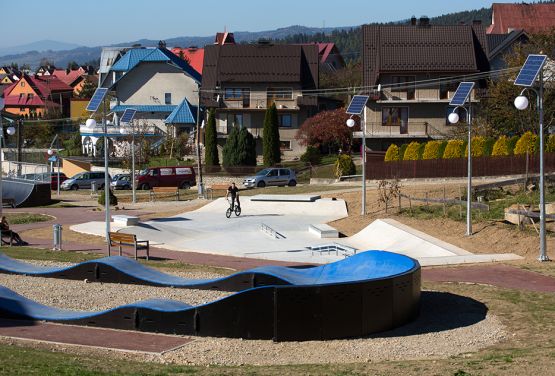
x=26 y=193
x=370 y=292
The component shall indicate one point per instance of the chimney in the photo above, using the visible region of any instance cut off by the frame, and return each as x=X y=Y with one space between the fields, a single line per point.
x=424 y=21
x=162 y=44
x=413 y=21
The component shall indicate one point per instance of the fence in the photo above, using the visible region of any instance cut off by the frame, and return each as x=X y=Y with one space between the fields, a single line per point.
x=26 y=171
x=441 y=168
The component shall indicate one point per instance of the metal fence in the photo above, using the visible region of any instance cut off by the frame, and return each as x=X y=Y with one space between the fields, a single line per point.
x=442 y=168
x=26 y=171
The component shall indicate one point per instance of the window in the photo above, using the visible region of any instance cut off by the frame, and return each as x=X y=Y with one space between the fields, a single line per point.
x=238 y=94
x=284 y=120
x=22 y=84
x=404 y=84
x=396 y=117
x=284 y=145
x=445 y=88
x=234 y=120
x=168 y=98
x=283 y=172
x=274 y=93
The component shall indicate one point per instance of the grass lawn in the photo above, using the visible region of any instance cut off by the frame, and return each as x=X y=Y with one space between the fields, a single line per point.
x=24 y=218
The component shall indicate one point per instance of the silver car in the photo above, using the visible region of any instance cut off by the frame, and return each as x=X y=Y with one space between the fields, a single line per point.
x=121 y=181
x=272 y=176
x=84 y=180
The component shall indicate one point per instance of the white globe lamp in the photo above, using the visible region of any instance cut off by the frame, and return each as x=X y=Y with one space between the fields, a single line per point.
x=50 y=152
x=11 y=131
x=124 y=130
x=453 y=118
x=90 y=123
x=521 y=102
x=350 y=123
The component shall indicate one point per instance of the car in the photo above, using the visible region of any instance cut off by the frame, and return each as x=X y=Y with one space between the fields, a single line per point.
x=271 y=176
x=53 y=179
x=121 y=181
x=170 y=176
x=84 y=180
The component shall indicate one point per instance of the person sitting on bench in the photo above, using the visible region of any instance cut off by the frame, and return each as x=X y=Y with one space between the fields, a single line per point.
x=12 y=235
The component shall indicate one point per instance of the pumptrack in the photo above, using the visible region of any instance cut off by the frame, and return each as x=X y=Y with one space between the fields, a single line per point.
x=369 y=292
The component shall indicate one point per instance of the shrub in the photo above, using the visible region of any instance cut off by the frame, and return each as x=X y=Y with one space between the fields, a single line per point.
x=441 y=150
x=270 y=140
x=478 y=146
x=421 y=150
x=102 y=198
x=312 y=155
x=344 y=165
x=392 y=153
x=511 y=144
x=431 y=151
x=411 y=154
x=454 y=149
x=402 y=150
x=526 y=143
x=550 y=145
x=501 y=147
x=211 y=157
x=488 y=146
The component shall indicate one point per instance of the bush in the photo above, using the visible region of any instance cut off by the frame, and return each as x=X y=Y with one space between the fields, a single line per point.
x=454 y=149
x=431 y=151
x=550 y=145
x=102 y=198
x=344 y=165
x=421 y=150
x=411 y=154
x=488 y=146
x=392 y=153
x=402 y=150
x=478 y=146
x=511 y=144
x=441 y=150
x=526 y=143
x=501 y=147
x=312 y=155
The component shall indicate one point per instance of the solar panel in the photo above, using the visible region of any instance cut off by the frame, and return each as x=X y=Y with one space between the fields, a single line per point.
x=357 y=104
x=462 y=93
x=128 y=115
x=530 y=70
x=96 y=99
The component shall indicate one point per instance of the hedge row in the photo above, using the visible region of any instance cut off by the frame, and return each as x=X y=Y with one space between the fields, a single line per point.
x=481 y=147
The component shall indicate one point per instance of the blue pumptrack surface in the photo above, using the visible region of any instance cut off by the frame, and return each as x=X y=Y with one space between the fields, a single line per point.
x=289 y=304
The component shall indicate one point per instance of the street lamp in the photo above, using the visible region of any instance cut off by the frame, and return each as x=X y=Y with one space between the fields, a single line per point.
x=453 y=119
x=10 y=131
x=52 y=152
x=126 y=131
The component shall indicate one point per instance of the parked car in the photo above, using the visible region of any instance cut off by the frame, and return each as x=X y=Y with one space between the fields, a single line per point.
x=175 y=176
x=121 y=181
x=84 y=180
x=53 y=179
x=271 y=176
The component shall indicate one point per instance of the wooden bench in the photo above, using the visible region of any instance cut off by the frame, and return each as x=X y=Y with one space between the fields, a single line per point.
x=217 y=188
x=164 y=190
x=118 y=239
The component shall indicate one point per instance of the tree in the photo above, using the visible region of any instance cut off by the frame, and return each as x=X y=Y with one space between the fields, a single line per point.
x=230 y=152
x=72 y=65
x=271 y=144
x=87 y=90
x=239 y=149
x=46 y=62
x=210 y=141
x=327 y=129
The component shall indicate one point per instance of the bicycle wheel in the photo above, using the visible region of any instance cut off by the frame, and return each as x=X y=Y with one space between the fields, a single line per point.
x=238 y=211
x=228 y=212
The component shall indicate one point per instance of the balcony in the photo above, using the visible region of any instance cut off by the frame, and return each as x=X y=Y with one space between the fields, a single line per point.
x=114 y=131
x=413 y=130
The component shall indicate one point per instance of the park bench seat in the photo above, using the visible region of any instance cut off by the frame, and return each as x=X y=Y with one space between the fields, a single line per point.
x=217 y=188
x=118 y=239
x=157 y=191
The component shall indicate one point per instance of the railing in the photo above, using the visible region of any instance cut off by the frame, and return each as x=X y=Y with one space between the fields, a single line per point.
x=344 y=250
x=271 y=232
x=26 y=171
x=114 y=131
x=413 y=129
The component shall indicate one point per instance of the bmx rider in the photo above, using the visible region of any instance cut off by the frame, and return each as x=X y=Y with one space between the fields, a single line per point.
x=233 y=191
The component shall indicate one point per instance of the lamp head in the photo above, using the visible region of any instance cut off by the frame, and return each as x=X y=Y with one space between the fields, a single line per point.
x=350 y=122
x=50 y=152
x=521 y=102
x=90 y=123
x=124 y=130
x=11 y=131
x=453 y=118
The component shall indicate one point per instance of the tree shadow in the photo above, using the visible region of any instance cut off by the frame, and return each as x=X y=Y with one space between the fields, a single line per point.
x=441 y=311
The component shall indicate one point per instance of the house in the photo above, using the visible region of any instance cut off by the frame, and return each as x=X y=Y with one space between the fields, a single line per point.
x=395 y=57
x=330 y=57
x=193 y=55
x=240 y=81
x=499 y=45
x=45 y=70
x=34 y=96
x=532 y=18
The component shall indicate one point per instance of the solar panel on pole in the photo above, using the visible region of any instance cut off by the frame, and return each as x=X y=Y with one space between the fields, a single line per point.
x=128 y=115
x=357 y=104
x=530 y=70
x=461 y=94
x=97 y=99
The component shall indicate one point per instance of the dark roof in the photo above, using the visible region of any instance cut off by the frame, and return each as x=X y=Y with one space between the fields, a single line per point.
x=533 y=18
x=500 y=43
x=260 y=63
x=431 y=48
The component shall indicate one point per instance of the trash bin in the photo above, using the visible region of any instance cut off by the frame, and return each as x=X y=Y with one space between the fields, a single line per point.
x=93 y=187
x=57 y=228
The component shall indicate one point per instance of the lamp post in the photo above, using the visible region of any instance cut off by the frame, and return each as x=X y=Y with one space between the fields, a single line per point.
x=125 y=131
x=350 y=124
x=11 y=131
x=453 y=119
x=521 y=103
x=52 y=152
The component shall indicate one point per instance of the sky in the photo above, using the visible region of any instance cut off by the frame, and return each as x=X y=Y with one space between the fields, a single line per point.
x=104 y=22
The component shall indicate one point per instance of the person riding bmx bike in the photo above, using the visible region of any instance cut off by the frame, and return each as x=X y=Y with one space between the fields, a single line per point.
x=233 y=191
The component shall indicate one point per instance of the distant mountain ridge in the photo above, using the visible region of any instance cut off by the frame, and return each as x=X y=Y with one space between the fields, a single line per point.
x=85 y=54
x=42 y=45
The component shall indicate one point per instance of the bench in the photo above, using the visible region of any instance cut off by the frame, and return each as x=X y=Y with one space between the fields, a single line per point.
x=125 y=220
x=10 y=202
x=217 y=188
x=118 y=239
x=164 y=190
x=323 y=230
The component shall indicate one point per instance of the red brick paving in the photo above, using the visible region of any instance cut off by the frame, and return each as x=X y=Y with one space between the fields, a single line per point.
x=88 y=336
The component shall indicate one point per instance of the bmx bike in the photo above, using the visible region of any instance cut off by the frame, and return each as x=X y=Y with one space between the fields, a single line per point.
x=232 y=209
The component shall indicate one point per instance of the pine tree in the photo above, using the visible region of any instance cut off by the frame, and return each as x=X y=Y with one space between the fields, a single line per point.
x=271 y=145
x=231 y=152
x=210 y=141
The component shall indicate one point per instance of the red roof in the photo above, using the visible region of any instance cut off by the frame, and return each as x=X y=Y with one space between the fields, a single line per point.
x=224 y=38
x=533 y=18
x=194 y=56
x=42 y=86
x=52 y=83
x=68 y=77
